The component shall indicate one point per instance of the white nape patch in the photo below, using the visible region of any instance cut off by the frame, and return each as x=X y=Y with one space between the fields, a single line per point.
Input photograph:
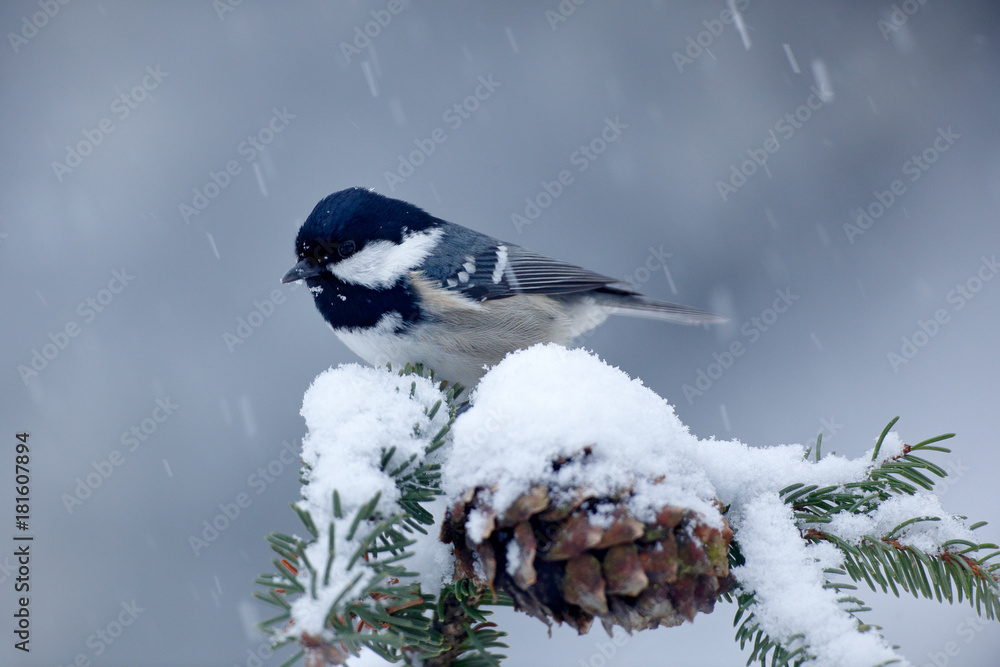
x=463 y=277
x=501 y=263
x=382 y=263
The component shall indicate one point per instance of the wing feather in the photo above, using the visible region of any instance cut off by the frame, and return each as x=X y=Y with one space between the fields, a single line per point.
x=482 y=268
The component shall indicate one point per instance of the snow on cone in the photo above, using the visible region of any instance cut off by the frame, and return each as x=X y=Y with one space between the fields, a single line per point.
x=568 y=555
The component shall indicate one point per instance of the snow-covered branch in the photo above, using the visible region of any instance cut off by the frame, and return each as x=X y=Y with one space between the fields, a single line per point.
x=574 y=492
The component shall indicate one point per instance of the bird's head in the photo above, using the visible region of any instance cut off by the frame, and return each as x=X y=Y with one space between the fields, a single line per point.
x=360 y=237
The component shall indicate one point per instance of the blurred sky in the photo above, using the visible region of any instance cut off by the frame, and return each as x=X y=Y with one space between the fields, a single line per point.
x=144 y=106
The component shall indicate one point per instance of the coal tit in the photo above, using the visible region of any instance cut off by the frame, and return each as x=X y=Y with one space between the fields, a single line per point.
x=399 y=285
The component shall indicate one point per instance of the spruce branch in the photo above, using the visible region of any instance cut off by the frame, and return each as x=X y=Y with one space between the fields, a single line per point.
x=467 y=632
x=380 y=606
x=958 y=569
x=882 y=559
x=556 y=544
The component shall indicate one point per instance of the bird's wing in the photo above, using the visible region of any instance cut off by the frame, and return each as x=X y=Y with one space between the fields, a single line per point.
x=481 y=268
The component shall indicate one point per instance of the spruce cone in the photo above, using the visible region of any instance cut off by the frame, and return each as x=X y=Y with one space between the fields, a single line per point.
x=571 y=561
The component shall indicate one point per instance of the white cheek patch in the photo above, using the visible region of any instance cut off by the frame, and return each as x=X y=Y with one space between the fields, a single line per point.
x=382 y=263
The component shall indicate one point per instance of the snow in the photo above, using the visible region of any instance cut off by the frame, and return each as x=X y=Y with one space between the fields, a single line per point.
x=547 y=403
x=478 y=525
x=786 y=575
x=822 y=77
x=352 y=414
x=432 y=559
x=513 y=557
x=791 y=59
x=740 y=473
x=368 y=658
x=612 y=435
x=741 y=25
x=924 y=535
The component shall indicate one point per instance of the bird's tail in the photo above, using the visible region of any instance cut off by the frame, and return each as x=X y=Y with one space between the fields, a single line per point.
x=637 y=305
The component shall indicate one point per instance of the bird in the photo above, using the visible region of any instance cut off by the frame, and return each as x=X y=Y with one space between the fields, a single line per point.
x=398 y=285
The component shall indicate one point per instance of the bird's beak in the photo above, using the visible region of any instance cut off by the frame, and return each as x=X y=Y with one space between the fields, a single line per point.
x=304 y=269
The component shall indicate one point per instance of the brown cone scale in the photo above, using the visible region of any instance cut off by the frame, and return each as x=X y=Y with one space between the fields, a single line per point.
x=585 y=557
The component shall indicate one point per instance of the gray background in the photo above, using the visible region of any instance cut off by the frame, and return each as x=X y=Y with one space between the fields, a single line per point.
x=163 y=335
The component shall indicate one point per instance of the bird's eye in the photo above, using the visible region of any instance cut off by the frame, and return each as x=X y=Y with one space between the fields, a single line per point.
x=346 y=248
